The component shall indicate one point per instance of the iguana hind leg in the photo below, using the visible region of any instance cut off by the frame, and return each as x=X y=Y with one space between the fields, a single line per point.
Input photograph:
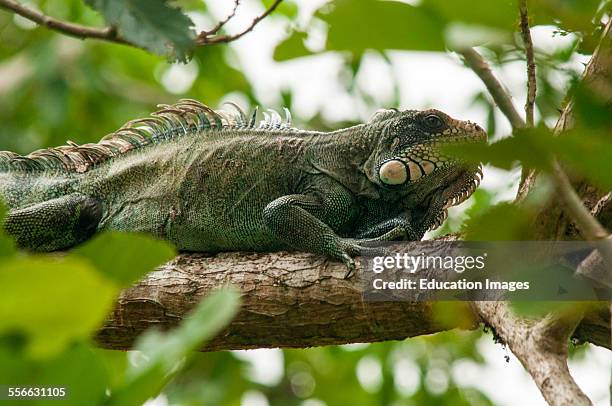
x=386 y=221
x=54 y=224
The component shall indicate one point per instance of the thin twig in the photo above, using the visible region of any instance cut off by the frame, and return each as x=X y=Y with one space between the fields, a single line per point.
x=205 y=39
x=531 y=67
x=221 y=23
x=531 y=75
x=481 y=68
x=74 y=30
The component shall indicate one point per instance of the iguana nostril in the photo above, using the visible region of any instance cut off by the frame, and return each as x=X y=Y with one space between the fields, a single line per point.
x=393 y=172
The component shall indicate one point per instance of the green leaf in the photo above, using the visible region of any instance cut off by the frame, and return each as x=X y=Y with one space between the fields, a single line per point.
x=533 y=148
x=537 y=309
x=125 y=257
x=499 y=14
x=52 y=301
x=164 y=352
x=370 y=24
x=570 y=15
x=151 y=24
x=115 y=363
x=502 y=222
x=588 y=152
x=434 y=25
x=78 y=369
x=292 y=47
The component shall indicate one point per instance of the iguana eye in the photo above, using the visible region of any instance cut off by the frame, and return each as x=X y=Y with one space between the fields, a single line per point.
x=433 y=122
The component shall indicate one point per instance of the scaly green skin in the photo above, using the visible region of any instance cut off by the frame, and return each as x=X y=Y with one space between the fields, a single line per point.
x=214 y=181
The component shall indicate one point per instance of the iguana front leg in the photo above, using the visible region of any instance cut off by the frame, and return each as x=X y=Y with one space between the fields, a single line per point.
x=310 y=221
x=54 y=224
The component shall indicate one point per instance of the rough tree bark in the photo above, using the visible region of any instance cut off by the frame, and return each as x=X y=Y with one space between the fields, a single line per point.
x=289 y=300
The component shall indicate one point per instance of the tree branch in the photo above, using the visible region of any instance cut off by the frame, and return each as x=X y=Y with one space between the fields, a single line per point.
x=541 y=346
x=481 y=68
x=73 y=30
x=289 y=300
x=204 y=38
x=531 y=67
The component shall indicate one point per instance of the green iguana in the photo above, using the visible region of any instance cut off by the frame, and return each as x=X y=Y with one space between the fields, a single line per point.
x=215 y=181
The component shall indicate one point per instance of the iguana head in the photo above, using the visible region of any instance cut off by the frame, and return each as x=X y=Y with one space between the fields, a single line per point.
x=409 y=160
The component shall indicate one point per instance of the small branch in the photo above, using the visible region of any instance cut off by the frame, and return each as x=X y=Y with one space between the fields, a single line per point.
x=205 y=39
x=531 y=67
x=110 y=33
x=221 y=23
x=590 y=228
x=73 y=30
x=481 y=68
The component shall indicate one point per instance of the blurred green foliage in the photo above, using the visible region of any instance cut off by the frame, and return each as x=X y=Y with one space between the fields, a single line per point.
x=54 y=88
x=420 y=371
x=53 y=304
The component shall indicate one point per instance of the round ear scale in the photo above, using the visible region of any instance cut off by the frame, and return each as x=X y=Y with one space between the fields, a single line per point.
x=393 y=172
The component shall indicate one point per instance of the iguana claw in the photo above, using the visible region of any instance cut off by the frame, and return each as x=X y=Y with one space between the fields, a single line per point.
x=353 y=249
x=350 y=265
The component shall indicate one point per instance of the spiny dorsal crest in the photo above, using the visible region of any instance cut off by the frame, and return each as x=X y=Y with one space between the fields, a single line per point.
x=170 y=121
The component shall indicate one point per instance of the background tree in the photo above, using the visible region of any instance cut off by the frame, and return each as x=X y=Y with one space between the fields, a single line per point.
x=53 y=87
